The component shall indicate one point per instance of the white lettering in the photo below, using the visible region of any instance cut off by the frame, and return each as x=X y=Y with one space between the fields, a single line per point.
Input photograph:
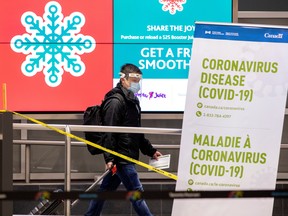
x=268 y=35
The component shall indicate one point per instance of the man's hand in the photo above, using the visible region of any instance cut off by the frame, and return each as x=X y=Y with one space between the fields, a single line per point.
x=109 y=165
x=156 y=155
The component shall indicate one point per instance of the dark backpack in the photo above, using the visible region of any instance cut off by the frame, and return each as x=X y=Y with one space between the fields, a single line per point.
x=93 y=116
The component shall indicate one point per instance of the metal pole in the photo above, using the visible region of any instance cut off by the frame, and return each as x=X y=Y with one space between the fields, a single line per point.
x=67 y=205
x=6 y=160
x=27 y=163
x=92 y=186
x=26 y=156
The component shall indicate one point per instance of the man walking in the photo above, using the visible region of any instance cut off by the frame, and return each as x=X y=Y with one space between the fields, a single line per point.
x=127 y=113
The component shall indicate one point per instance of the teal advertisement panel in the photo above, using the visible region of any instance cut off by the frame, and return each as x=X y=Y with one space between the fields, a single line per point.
x=157 y=36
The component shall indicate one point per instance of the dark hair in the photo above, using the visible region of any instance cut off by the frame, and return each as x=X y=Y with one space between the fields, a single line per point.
x=130 y=68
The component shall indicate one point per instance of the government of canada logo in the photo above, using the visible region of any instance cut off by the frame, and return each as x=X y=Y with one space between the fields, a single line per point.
x=53 y=44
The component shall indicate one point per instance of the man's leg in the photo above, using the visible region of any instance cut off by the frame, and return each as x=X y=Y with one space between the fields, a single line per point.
x=109 y=183
x=129 y=177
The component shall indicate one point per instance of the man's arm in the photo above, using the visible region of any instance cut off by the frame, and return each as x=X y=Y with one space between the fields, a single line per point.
x=147 y=148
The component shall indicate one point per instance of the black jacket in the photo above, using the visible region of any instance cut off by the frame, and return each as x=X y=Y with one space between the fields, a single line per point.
x=126 y=113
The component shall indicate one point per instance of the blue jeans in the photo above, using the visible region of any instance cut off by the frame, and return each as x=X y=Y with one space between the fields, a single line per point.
x=127 y=174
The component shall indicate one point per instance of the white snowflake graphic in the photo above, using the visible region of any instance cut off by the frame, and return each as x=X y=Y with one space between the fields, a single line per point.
x=172 y=5
x=52 y=44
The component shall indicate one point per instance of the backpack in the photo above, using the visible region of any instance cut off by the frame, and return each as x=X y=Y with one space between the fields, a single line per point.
x=93 y=116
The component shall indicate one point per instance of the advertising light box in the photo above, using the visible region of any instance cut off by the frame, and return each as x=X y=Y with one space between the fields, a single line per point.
x=62 y=56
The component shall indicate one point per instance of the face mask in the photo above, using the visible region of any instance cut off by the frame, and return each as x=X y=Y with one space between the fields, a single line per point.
x=134 y=87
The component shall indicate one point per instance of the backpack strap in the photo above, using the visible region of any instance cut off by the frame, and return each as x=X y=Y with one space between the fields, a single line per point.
x=123 y=105
x=120 y=97
x=116 y=95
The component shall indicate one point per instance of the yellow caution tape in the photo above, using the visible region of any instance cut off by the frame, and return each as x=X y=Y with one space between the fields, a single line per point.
x=162 y=172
